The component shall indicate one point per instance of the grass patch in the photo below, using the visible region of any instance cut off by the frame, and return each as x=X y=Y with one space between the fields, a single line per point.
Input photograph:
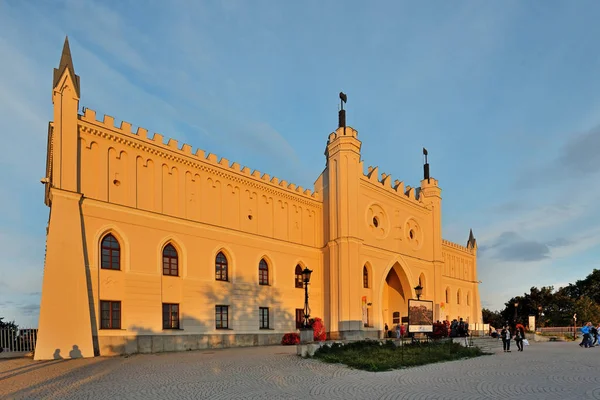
x=375 y=356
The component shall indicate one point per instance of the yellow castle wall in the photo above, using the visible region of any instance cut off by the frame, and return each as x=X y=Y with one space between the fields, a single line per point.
x=148 y=193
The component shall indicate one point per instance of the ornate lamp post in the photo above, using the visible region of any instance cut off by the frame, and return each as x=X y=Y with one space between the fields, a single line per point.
x=540 y=315
x=516 y=306
x=418 y=291
x=306 y=279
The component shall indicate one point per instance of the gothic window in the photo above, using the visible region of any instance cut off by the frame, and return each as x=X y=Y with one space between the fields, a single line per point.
x=299 y=281
x=170 y=261
x=365 y=277
x=110 y=253
x=221 y=273
x=263 y=273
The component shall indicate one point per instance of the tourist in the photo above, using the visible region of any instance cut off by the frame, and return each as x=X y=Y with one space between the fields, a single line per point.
x=387 y=329
x=398 y=331
x=586 y=332
x=505 y=334
x=519 y=336
x=594 y=331
x=454 y=328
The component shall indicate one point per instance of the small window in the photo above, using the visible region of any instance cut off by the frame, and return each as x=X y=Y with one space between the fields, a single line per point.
x=375 y=222
x=170 y=316
x=448 y=295
x=396 y=317
x=110 y=312
x=263 y=273
x=111 y=253
x=263 y=313
x=468 y=298
x=221 y=273
x=458 y=297
x=299 y=318
x=299 y=280
x=222 y=317
x=365 y=277
x=170 y=261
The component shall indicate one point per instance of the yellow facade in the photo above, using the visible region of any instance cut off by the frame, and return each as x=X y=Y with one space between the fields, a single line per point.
x=174 y=214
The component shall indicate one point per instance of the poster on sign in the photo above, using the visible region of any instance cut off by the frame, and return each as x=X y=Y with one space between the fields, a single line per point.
x=420 y=315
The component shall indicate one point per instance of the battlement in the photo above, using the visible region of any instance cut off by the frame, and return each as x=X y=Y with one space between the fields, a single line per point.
x=397 y=187
x=343 y=132
x=456 y=246
x=186 y=151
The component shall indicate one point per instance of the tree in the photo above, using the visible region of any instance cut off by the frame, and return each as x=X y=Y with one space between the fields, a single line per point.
x=587 y=310
x=492 y=317
x=8 y=325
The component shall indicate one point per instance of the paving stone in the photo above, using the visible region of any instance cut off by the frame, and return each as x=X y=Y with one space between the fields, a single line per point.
x=542 y=371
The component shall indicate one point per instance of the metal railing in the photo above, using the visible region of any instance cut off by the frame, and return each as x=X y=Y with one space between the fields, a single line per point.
x=557 y=330
x=18 y=340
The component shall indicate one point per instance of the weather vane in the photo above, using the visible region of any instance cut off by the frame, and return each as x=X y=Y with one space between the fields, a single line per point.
x=342 y=113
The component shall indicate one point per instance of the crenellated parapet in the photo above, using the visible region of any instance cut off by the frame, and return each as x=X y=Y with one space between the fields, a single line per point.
x=184 y=154
x=396 y=187
x=456 y=246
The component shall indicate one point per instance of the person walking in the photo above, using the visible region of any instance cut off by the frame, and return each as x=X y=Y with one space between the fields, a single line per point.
x=585 y=331
x=519 y=336
x=594 y=331
x=505 y=334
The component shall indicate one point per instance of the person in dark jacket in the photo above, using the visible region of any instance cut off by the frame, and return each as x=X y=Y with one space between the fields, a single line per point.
x=519 y=336
x=505 y=334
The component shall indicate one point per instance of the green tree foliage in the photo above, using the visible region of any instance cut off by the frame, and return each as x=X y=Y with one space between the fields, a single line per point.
x=492 y=317
x=556 y=307
x=8 y=325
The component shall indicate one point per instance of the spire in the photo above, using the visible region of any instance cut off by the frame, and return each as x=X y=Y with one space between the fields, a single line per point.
x=472 y=242
x=66 y=63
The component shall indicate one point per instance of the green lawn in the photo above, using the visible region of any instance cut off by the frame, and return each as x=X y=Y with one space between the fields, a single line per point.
x=376 y=356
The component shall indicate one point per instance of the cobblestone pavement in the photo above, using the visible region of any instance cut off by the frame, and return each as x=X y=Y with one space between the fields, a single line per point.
x=542 y=371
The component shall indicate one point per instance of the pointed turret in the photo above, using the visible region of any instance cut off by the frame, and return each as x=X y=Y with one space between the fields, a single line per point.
x=66 y=63
x=472 y=242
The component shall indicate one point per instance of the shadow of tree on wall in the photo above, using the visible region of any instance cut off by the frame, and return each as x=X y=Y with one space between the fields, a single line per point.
x=243 y=298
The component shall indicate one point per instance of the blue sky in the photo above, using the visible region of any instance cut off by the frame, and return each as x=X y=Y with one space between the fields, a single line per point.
x=505 y=96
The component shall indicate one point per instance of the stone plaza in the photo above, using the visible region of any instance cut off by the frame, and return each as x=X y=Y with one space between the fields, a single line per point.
x=555 y=370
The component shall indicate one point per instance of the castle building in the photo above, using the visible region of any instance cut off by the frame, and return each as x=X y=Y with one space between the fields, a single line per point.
x=154 y=247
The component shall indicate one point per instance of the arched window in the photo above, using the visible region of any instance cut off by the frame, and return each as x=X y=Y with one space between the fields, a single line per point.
x=221 y=273
x=299 y=280
x=458 y=296
x=447 y=295
x=170 y=261
x=365 y=277
x=263 y=272
x=111 y=253
x=468 y=298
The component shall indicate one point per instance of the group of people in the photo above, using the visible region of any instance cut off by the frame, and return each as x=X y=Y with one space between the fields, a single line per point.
x=517 y=333
x=399 y=331
x=589 y=332
x=459 y=328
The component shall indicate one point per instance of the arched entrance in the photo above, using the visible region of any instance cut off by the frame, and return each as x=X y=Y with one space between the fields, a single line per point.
x=395 y=294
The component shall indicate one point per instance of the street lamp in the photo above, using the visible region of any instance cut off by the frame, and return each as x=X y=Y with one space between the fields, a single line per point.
x=418 y=291
x=306 y=279
x=516 y=305
x=540 y=315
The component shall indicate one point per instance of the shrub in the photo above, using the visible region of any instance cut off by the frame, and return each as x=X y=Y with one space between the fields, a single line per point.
x=290 y=339
x=319 y=334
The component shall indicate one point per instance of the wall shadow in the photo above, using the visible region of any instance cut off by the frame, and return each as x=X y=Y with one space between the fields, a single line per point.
x=244 y=299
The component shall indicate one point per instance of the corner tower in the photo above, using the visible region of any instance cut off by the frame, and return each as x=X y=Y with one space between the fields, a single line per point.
x=342 y=264
x=65 y=98
x=66 y=307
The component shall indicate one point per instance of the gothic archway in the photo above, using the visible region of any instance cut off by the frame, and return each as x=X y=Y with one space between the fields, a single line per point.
x=396 y=291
